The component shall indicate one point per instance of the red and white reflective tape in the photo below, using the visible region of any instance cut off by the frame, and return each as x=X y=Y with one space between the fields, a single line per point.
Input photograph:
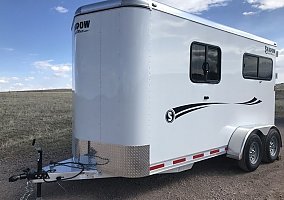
x=181 y=160
x=198 y=156
x=214 y=151
x=157 y=166
x=189 y=159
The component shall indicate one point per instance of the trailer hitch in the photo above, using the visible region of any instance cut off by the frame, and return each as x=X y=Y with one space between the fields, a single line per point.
x=29 y=175
x=33 y=174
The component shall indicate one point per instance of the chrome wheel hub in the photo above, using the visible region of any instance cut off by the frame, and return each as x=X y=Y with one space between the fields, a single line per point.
x=254 y=153
x=273 y=143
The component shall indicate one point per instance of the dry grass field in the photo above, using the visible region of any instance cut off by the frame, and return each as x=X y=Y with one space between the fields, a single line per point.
x=47 y=116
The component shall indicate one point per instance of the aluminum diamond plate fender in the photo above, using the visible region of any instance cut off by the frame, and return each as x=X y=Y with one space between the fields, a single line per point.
x=239 y=137
x=115 y=160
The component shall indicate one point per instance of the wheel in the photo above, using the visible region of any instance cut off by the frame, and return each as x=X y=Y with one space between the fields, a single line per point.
x=272 y=145
x=252 y=154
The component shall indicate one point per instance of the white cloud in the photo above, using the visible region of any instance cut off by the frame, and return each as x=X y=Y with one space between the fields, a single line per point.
x=14 y=78
x=45 y=64
x=46 y=77
x=2 y=81
x=267 y=4
x=280 y=59
x=29 y=78
x=280 y=66
x=36 y=82
x=68 y=86
x=61 y=68
x=249 y=13
x=61 y=9
x=58 y=70
x=7 y=49
x=19 y=84
x=196 y=6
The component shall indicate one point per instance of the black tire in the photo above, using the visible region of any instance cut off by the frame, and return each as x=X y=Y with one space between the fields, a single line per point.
x=252 y=154
x=272 y=144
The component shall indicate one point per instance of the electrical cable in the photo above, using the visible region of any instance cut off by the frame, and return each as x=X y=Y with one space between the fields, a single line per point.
x=80 y=166
x=65 y=164
x=105 y=159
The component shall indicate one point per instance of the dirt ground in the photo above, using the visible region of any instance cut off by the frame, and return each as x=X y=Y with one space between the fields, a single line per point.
x=50 y=121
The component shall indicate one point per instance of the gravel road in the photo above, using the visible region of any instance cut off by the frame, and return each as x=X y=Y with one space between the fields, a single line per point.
x=218 y=178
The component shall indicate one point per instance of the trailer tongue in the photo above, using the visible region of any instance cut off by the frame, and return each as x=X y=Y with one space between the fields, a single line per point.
x=61 y=171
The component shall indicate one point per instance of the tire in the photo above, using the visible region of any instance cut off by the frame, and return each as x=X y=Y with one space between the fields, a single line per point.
x=252 y=154
x=272 y=144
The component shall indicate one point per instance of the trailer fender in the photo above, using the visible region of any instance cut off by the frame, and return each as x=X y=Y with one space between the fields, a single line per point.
x=239 y=137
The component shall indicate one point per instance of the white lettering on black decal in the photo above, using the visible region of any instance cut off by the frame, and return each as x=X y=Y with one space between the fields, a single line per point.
x=170 y=116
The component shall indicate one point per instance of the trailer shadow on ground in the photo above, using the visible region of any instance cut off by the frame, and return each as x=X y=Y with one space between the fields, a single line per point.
x=123 y=188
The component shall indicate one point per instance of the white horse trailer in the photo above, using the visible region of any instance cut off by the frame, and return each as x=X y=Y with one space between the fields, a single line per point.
x=156 y=89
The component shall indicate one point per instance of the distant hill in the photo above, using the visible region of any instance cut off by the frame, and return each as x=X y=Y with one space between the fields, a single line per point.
x=50 y=90
x=279 y=86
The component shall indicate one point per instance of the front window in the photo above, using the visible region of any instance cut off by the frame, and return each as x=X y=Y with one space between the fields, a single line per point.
x=205 y=65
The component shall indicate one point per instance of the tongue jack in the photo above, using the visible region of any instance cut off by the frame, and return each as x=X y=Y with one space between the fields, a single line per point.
x=32 y=174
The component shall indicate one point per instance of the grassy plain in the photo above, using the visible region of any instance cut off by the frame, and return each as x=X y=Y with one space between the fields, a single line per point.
x=45 y=116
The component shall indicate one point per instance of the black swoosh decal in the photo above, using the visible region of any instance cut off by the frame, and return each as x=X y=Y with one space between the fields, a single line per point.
x=255 y=103
x=185 y=109
x=248 y=102
x=194 y=109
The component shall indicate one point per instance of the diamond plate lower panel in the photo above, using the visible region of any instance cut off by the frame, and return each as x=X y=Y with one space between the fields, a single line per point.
x=124 y=161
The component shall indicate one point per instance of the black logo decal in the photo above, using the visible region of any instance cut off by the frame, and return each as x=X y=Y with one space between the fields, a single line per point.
x=270 y=51
x=81 y=27
x=170 y=116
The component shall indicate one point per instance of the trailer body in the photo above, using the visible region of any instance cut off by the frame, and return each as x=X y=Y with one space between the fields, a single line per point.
x=144 y=100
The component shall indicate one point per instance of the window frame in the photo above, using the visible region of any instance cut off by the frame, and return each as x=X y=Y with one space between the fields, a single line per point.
x=257 y=77
x=219 y=65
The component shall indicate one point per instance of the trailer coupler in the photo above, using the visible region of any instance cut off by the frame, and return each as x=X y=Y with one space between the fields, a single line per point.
x=29 y=175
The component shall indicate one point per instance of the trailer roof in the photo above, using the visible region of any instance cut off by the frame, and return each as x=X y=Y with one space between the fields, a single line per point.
x=104 y=5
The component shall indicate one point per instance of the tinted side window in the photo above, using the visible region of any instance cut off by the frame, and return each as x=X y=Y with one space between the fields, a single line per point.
x=197 y=61
x=250 y=66
x=265 y=68
x=213 y=62
x=205 y=65
x=257 y=67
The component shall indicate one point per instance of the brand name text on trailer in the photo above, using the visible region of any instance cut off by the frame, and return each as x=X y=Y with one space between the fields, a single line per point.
x=270 y=51
x=83 y=26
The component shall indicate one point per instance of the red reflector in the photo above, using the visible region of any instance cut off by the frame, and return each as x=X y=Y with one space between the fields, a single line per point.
x=198 y=156
x=157 y=166
x=179 y=161
x=214 y=151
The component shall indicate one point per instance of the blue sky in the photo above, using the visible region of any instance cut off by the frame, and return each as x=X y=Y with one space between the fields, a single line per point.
x=36 y=45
